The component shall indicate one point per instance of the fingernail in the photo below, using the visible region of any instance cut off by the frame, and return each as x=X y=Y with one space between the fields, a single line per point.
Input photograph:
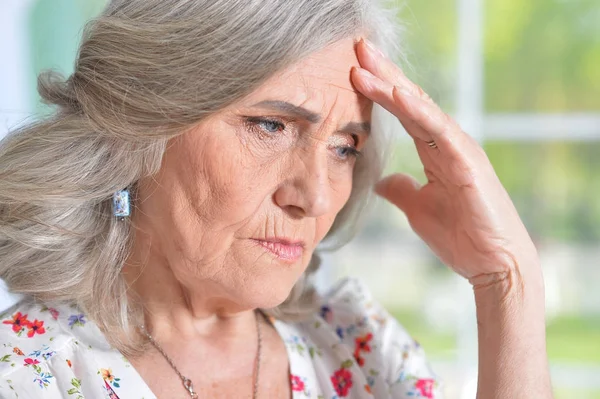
x=374 y=49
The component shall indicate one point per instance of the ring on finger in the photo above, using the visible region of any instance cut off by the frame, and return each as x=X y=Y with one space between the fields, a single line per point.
x=431 y=144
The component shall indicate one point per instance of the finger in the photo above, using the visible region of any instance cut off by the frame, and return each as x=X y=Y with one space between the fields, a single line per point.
x=399 y=189
x=374 y=61
x=448 y=136
x=422 y=119
x=433 y=165
x=381 y=92
x=404 y=106
x=384 y=68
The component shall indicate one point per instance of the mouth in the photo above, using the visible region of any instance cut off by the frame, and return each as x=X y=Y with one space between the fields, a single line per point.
x=283 y=248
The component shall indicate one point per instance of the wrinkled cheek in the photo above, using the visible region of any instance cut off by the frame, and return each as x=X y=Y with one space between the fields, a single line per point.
x=235 y=184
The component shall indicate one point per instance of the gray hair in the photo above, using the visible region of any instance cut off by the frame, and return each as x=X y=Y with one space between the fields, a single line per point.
x=146 y=71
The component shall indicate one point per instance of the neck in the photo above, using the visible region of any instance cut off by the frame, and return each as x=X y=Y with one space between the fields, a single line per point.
x=173 y=311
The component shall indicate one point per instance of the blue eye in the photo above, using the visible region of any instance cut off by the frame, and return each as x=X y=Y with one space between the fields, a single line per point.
x=268 y=125
x=347 y=152
x=273 y=126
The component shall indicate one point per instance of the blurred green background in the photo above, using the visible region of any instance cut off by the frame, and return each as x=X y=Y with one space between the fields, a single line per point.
x=539 y=57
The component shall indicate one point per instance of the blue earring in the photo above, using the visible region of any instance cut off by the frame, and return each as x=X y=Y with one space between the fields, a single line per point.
x=121 y=205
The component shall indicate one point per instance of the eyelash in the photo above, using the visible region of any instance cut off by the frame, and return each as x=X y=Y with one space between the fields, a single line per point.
x=253 y=123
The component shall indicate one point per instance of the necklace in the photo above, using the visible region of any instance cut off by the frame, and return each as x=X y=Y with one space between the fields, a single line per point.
x=187 y=383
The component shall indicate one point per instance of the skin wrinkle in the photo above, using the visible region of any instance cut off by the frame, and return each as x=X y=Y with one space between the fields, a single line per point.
x=225 y=183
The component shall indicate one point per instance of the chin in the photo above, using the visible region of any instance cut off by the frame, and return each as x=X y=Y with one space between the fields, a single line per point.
x=273 y=292
x=273 y=287
x=271 y=279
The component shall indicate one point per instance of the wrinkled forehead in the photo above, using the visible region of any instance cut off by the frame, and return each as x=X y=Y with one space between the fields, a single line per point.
x=321 y=82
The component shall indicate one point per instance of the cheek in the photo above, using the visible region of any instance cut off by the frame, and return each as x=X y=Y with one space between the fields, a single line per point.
x=236 y=186
x=222 y=186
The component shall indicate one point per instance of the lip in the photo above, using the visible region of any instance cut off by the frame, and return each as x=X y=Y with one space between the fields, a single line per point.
x=283 y=248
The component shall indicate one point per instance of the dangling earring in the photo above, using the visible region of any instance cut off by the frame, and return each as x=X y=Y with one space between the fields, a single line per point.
x=121 y=205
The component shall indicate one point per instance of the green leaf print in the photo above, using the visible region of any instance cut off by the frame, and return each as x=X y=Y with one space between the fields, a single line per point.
x=12 y=388
x=75 y=391
x=5 y=358
x=347 y=364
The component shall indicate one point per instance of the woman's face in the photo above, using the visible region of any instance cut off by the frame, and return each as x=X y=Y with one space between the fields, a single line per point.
x=243 y=199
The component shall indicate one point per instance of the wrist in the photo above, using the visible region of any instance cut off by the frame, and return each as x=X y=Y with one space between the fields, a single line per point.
x=509 y=288
x=511 y=334
x=510 y=302
x=519 y=278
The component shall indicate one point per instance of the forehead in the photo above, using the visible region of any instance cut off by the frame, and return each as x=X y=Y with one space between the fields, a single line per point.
x=320 y=81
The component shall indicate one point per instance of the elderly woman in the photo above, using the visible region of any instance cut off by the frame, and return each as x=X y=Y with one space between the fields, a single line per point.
x=163 y=224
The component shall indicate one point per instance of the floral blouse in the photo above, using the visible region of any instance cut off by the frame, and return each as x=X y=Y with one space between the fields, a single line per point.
x=352 y=349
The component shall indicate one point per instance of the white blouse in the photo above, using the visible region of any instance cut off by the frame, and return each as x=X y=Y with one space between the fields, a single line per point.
x=352 y=349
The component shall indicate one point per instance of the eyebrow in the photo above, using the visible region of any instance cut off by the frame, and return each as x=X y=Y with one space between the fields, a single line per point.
x=352 y=128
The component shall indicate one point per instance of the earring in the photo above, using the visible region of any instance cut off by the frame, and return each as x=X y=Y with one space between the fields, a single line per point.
x=121 y=205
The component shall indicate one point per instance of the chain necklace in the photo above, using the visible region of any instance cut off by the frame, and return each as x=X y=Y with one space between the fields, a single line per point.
x=187 y=383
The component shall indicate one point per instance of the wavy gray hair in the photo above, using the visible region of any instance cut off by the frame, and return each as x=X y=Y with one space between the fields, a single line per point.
x=146 y=71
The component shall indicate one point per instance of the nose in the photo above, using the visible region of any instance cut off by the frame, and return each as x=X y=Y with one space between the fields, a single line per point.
x=307 y=192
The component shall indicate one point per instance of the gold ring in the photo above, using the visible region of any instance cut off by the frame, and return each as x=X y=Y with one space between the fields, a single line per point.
x=432 y=144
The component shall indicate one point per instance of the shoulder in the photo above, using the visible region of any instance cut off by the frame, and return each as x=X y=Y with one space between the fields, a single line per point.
x=349 y=298
x=378 y=342
x=53 y=351
x=32 y=333
x=350 y=308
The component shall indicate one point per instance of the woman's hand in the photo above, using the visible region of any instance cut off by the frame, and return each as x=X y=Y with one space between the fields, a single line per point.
x=463 y=213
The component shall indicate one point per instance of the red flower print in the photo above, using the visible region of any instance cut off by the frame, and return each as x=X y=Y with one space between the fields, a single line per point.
x=360 y=360
x=425 y=387
x=18 y=351
x=342 y=381
x=362 y=343
x=54 y=313
x=37 y=326
x=368 y=388
x=69 y=363
x=29 y=361
x=19 y=321
x=297 y=383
